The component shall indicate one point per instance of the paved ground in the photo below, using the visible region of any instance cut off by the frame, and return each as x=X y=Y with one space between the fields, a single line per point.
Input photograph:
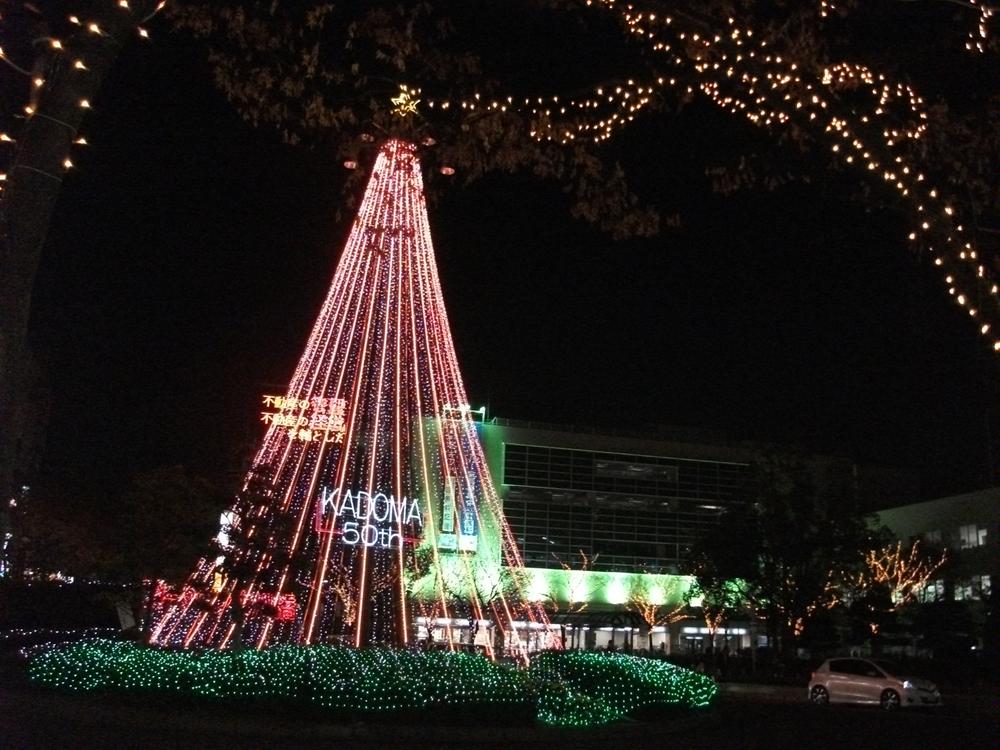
x=756 y=718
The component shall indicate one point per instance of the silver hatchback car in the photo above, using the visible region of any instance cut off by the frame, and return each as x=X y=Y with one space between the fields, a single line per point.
x=872 y=681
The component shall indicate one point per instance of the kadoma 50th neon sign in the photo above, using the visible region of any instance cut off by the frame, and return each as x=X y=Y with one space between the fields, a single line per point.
x=371 y=520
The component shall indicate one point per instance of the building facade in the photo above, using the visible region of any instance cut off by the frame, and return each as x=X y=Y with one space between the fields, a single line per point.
x=605 y=524
x=958 y=602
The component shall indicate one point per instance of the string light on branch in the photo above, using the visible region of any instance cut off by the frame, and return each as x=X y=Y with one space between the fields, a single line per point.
x=743 y=74
x=977 y=38
x=70 y=37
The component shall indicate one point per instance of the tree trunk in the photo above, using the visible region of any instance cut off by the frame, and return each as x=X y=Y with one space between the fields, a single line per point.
x=33 y=187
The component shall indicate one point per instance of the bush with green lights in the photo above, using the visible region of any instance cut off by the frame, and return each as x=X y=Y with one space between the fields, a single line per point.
x=562 y=688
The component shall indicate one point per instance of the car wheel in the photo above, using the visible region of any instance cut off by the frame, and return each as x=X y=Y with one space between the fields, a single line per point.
x=819 y=695
x=890 y=700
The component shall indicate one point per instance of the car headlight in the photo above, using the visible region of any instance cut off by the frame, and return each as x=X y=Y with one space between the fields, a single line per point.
x=908 y=685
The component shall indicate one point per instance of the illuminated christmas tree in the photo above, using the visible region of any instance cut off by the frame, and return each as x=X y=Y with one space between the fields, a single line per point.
x=368 y=515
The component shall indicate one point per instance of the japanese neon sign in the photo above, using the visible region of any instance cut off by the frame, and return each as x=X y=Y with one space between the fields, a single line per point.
x=460 y=513
x=316 y=419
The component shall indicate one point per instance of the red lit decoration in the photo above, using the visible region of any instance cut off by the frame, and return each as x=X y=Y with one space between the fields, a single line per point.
x=287 y=608
x=365 y=504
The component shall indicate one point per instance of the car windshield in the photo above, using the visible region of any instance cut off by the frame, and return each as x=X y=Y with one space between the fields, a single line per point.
x=888 y=667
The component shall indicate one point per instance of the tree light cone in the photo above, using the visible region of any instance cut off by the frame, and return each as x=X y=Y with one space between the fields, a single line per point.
x=368 y=512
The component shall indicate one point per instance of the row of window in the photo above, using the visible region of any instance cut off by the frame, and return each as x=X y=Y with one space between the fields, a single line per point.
x=969 y=536
x=634 y=512
x=632 y=540
x=589 y=471
x=976 y=588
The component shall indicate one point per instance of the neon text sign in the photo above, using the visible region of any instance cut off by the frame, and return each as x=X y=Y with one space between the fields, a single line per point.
x=366 y=519
x=317 y=419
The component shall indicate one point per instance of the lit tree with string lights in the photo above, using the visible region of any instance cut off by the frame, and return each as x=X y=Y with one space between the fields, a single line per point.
x=53 y=59
x=781 y=556
x=319 y=73
x=564 y=603
x=718 y=599
x=658 y=604
x=369 y=503
x=806 y=72
x=892 y=578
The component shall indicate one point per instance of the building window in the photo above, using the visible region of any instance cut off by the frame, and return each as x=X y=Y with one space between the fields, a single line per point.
x=975 y=588
x=981 y=587
x=971 y=536
x=933 y=537
x=932 y=592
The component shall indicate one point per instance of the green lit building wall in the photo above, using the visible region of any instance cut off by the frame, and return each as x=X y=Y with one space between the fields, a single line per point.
x=633 y=504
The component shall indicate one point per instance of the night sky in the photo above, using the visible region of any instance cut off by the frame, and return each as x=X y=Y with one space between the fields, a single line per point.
x=190 y=253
